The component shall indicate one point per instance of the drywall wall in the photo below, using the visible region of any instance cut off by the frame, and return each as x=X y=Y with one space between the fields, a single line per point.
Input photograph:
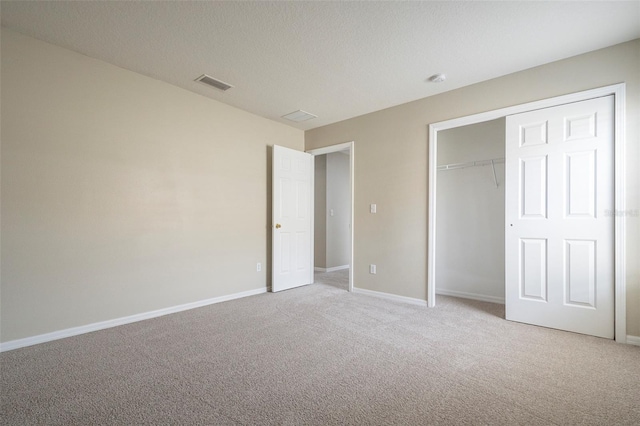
x=470 y=213
x=338 y=210
x=391 y=165
x=122 y=194
x=320 y=216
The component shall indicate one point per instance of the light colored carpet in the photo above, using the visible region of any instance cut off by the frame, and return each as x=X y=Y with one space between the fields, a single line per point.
x=318 y=355
x=338 y=279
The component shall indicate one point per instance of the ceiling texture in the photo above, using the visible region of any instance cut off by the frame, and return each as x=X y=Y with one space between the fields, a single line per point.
x=336 y=60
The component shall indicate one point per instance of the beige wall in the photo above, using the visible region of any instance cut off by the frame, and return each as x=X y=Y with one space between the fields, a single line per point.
x=122 y=194
x=470 y=212
x=320 y=216
x=391 y=164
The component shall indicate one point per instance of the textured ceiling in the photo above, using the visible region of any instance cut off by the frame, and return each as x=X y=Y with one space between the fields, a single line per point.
x=336 y=60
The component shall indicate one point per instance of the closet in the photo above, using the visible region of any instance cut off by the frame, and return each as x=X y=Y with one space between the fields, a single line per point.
x=470 y=209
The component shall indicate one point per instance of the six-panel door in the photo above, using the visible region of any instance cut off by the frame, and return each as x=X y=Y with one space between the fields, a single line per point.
x=292 y=200
x=559 y=226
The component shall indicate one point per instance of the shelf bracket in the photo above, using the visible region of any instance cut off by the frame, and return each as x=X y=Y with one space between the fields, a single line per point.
x=493 y=166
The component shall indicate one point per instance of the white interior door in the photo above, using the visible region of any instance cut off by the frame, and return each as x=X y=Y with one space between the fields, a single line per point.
x=292 y=228
x=559 y=222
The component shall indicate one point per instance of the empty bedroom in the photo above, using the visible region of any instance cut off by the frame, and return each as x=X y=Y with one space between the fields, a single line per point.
x=319 y=213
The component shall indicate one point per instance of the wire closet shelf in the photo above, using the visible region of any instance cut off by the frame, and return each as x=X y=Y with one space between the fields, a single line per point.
x=490 y=162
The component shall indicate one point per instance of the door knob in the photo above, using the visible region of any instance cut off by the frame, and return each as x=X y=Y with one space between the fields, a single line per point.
x=278 y=226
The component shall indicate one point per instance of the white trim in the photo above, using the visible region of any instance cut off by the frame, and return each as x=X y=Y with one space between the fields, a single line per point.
x=331 y=148
x=618 y=90
x=431 y=234
x=332 y=269
x=312 y=251
x=472 y=296
x=352 y=163
x=75 y=331
x=620 y=278
x=633 y=340
x=390 y=296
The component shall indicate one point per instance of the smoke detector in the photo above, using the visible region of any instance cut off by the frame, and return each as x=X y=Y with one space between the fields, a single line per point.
x=437 y=78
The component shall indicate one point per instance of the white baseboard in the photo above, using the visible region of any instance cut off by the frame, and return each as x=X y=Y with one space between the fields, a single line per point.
x=335 y=268
x=633 y=340
x=390 y=296
x=473 y=296
x=69 y=332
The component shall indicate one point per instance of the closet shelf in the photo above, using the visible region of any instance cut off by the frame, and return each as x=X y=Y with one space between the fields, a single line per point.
x=491 y=162
x=477 y=163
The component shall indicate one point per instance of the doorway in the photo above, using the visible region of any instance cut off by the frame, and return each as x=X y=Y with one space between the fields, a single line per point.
x=470 y=212
x=619 y=285
x=333 y=215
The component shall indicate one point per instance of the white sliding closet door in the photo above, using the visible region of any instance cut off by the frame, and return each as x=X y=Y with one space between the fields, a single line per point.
x=559 y=224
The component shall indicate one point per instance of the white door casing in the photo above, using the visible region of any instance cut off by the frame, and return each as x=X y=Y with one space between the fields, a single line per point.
x=292 y=227
x=559 y=239
x=346 y=146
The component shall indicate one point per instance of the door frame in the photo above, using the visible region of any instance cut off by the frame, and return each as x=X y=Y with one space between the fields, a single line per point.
x=328 y=150
x=619 y=93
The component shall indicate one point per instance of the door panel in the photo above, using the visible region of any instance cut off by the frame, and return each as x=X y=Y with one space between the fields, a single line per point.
x=292 y=221
x=533 y=277
x=580 y=273
x=533 y=193
x=559 y=241
x=580 y=184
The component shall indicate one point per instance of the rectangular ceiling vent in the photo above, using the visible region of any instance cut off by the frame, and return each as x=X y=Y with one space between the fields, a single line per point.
x=210 y=81
x=299 y=116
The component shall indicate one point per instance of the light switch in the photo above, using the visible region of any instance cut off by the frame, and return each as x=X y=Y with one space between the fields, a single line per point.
x=373 y=208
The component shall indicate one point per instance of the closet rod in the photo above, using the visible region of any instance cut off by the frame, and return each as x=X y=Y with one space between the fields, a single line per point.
x=477 y=163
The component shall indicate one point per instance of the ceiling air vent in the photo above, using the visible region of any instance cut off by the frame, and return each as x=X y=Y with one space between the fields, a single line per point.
x=210 y=81
x=299 y=116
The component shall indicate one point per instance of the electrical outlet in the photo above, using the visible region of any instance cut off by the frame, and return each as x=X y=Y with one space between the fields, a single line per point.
x=374 y=208
x=372 y=269
x=259 y=267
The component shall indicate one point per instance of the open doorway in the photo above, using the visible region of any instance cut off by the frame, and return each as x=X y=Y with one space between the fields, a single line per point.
x=333 y=216
x=470 y=209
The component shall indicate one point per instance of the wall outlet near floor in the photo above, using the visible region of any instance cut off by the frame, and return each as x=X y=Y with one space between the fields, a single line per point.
x=259 y=267
x=372 y=269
